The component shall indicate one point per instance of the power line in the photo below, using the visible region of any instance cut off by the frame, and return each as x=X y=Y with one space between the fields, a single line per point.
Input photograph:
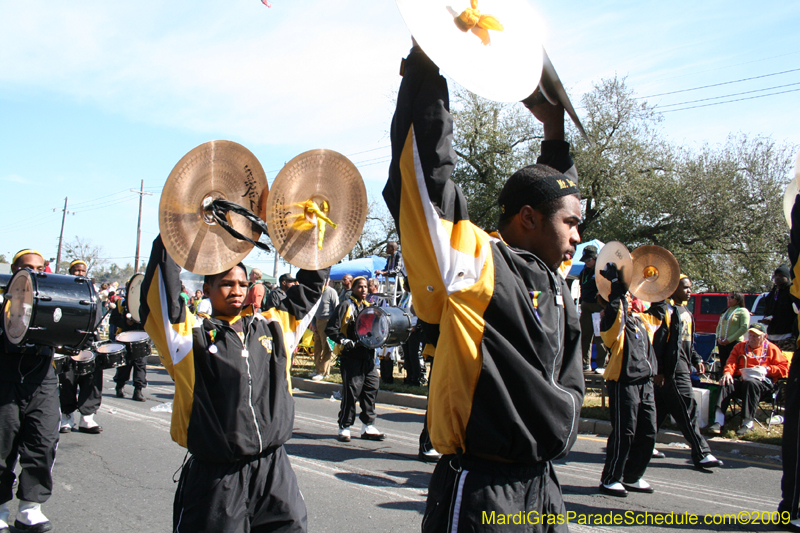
x=729 y=95
x=731 y=101
x=719 y=84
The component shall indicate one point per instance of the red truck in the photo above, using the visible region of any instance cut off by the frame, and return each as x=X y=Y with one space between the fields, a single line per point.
x=708 y=306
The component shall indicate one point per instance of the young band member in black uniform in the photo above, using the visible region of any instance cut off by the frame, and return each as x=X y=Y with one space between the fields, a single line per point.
x=629 y=379
x=120 y=323
x=87 y=402
x=509 y=337
x=29 y=418
x=233 y=407
x=360 y=379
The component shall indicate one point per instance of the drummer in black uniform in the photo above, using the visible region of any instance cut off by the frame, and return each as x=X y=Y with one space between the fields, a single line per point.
x=28 y=422
x=87 y=401
x=360 y=379
x=119 y=322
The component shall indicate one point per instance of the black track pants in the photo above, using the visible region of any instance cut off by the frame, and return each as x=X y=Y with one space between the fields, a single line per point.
x=253 y=495
x=633 y=431
x=87 y=400
x=675 y=398
x=29 y=421
x=470 y=494
x=139 y=367
x=790 y=484
x=360 y=383
x=749 y=390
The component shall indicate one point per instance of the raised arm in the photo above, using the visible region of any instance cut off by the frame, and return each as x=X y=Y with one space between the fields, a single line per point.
x=167 y=320
x=442 y=250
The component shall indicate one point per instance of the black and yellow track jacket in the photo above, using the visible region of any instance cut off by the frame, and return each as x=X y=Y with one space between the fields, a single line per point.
x=673 y=342
x=232 y=395
x=629 y=339
x=342 y=325
x=508 y=384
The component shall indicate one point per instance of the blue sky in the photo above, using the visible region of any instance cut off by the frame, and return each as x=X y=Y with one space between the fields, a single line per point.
x=96 y=96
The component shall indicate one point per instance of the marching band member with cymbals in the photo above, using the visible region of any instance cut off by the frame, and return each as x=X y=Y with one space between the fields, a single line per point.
x=233 y=408
x=509 y=337
x=29 y=419
x=87 y=401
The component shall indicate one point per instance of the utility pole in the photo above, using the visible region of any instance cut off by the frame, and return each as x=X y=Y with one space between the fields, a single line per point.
x=141 y=194
x=61 y=236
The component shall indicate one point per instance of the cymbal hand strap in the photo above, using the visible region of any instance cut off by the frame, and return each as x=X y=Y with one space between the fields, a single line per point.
x=220 y=208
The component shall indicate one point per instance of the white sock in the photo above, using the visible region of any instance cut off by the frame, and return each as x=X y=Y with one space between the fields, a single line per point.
x=30 y=513
x=719 y=418
x=4 y=514
x=708 y=459
x=87 y=421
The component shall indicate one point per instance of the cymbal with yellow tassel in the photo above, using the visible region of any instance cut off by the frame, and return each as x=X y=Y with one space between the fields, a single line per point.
x=316 y=209
x=214 y=170
x=491 y=47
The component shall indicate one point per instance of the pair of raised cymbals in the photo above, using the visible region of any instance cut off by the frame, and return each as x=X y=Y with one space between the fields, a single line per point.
x=227 y=170
x=651 y=273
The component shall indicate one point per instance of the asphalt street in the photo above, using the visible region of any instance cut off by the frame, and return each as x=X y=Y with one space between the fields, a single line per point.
x=122 y=479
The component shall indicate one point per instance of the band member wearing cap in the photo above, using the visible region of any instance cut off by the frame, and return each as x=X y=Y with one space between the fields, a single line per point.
x=751 y=370
x=29 y=419
x=509 y=336
x=360 y=379
x=119 y=323
x=629 y=380
x=233 y=407
x=87 y=401
x=589 y=306
x=673 y=343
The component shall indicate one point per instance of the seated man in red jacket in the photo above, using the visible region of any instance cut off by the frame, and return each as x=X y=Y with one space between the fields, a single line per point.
x=752 y=368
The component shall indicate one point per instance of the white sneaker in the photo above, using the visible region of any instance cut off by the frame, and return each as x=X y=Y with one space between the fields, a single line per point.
x=4 y=514
x=316 y=377
x=344 y=434
x=370 y=432
x=67 y=423
x=30 y=514
x=88 y=425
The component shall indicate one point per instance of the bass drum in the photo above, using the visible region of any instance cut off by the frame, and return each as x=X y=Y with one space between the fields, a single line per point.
x=50 y=309
x=133 y=297
x=383 y=326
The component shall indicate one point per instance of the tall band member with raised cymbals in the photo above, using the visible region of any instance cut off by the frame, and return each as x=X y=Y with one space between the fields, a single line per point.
x=29 y=417
x=87 y=401
x=506 y=395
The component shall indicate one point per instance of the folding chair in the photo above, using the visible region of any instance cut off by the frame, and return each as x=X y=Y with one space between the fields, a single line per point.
x=774 y=398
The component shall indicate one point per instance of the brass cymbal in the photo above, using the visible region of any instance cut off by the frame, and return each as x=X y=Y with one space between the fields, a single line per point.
x=617 y=253
x=656 y=273
x=334 y=185
x=216 y=169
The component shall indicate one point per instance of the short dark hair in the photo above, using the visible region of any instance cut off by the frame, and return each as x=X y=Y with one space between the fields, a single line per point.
x=522 y=189
x=209 y=278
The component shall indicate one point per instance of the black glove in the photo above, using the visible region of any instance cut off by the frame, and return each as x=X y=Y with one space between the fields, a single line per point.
x=610 y=273
x=348 y=344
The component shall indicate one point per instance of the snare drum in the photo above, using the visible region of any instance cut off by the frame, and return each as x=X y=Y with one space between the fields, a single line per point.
x=62 y=363
x=50 y=309
x=83 y=363
x=137 y=344
x=110 y=354
x=383 y=326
